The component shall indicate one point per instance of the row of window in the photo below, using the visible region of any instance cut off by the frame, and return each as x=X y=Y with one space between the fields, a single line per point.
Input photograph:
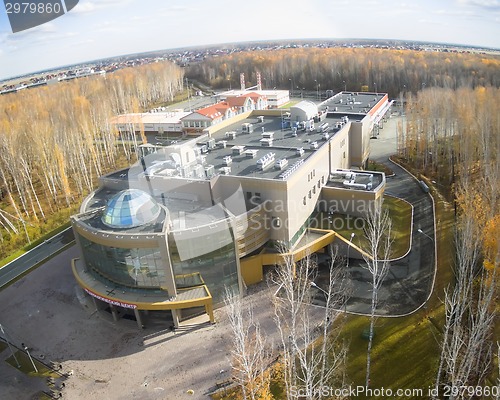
x=311 y=175
x=313 y=190
x=196 y=124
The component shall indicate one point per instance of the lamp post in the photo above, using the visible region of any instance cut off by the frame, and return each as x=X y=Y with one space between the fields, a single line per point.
x=317 y=89
x=29 y=356
x=345 y=86
x=10 y=347
x=349 y=246
x=313 y=284
x=425 y=234
x=291 y=86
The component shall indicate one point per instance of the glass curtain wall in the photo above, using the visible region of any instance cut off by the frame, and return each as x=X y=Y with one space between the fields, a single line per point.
x=218 y=269
x=132 y=267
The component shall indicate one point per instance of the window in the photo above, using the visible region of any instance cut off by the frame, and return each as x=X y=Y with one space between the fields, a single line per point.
x=304 y=200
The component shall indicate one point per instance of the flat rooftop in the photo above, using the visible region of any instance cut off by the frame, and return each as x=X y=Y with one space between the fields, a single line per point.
x=352 y=102
x=284 y=145
x=161 y=117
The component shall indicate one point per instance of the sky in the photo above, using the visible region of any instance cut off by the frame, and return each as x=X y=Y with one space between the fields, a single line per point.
x=96 y=29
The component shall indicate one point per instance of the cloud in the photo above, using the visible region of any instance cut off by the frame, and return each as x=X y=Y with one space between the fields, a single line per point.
x=491 y=5
x=88 y=7
x=45 y=29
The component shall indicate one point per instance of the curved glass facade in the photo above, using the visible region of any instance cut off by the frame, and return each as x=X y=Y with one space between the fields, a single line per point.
x=133 y=267
x=218 y=268
x=130 y=208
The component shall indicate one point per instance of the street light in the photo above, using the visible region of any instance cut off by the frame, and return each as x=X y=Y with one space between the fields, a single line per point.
x=29 y=356
x=423 y=233
x=313 y=284
x=349 y=246
x=10 y=347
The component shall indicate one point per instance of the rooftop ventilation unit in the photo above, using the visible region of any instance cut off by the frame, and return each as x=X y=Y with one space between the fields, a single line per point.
x=211 y=143
x=225 y=170
x=267 y=135
x=266 y=142
x=299 y=151
x=296 y=165
x=314 y=145
x=230 y=135
x=247 y=127
x=266 y=161
x=237 y=150
x=228 y=160
x=199 y=171
x=222 y=144
x=251 y=153
x=281 y=164
x=209 y=171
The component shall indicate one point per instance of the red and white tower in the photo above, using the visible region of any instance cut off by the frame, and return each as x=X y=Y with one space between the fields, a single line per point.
x=242 y=81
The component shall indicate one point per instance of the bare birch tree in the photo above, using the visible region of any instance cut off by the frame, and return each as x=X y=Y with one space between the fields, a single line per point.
x=249 y=355
x=466 y=351
x=313 y=355
x=378 y=232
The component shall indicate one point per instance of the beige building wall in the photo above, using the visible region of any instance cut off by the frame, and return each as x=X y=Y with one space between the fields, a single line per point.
x=360 y=141
x=339 y=149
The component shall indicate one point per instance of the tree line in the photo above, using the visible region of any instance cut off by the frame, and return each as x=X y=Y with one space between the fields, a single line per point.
x=55 y=141
x=391 y=71
x=453 y=138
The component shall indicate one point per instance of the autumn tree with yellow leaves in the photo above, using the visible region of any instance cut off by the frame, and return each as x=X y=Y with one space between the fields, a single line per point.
x=56 y=140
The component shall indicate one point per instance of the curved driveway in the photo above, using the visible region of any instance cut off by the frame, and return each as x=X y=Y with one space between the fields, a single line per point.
x=409 y=282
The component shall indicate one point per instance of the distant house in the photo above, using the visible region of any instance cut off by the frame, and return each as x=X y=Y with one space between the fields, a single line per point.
x=241 y=103
x=248 y=101
x=197 y=121
x=154 y=125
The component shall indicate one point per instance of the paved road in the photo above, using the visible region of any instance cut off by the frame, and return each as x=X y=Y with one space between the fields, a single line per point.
x=410 y=279
x=35 y=257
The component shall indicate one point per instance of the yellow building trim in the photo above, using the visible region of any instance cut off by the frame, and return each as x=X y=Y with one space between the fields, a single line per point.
x=252 y=267
x=205 y=301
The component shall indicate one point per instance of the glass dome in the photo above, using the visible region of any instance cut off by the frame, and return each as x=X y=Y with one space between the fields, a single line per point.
x=130 y=208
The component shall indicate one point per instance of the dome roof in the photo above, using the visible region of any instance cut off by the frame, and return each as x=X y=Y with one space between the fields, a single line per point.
x=130 y=208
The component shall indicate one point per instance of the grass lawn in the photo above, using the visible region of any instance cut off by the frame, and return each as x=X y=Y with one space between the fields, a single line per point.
x=405 y=353
x=406 y=350
x=26 y=366
x=289 y=104
x=400 y=213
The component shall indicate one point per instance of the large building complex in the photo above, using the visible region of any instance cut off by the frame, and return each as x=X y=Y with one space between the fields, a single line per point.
x=204 y=214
